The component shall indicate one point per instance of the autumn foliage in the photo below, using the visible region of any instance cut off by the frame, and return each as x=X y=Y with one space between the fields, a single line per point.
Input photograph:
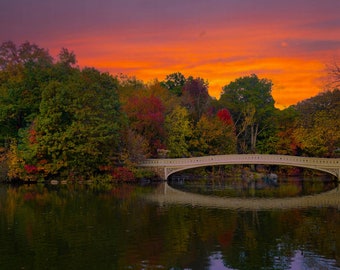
x=121 y=174
x=62 y=121
x=146 y=115
x=225 y=116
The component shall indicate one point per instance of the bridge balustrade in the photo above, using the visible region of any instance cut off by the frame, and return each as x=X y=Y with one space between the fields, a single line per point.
x=165 y=167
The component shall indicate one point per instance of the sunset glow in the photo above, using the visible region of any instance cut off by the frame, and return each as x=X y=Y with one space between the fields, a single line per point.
x=288 y=42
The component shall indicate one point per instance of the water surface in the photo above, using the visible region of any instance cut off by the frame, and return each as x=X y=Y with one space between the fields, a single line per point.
x=123 y=227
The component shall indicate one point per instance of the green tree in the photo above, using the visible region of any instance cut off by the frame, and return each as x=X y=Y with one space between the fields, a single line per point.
x=174 y=82
x=23 y=72
x=128 y=87
x=251 y=104
x=77 y=129
x=67 y=58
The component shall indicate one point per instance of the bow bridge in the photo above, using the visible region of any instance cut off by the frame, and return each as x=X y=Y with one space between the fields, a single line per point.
x=167 y=166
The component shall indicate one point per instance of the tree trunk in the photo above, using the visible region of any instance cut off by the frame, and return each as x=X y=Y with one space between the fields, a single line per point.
x=253 y=137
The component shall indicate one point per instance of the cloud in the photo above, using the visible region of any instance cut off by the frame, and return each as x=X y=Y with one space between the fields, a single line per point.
x=314 y=44
x=326 y=24
x=218 y=40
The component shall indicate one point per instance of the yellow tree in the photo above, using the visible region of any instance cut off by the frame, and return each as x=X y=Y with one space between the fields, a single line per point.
x=322 y=138
x=318 y=130
x=179 y=132
x=213 y=137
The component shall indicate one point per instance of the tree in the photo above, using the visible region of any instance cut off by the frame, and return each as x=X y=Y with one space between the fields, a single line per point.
x=128 y=87
x=324 y=101
x=251 y=104
x=174 y=82
x=318 y=128
x=23 y=72
x=212 y=136
x=179 y=132
x=134 y=148
x=67 y=58
x=146 y=117
x=195 y=97
x=282 y=141
x=12 y=56
x=77 y=129
x=155 y=88
x=225 y=116
x=333 y=70
x=323 y=138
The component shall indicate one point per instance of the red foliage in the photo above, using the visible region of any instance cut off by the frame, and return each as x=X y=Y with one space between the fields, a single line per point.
x=30 y=169
x=225 y=116
x=147 y=118
x=145 y=109
x=122 y=174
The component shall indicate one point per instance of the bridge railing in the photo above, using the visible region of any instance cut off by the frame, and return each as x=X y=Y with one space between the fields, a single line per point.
x=171 y=165
x=251 y=158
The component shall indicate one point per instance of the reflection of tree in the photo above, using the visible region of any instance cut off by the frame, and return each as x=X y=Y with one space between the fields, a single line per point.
x=256 y=241
x=322 y=235
x=76 y=227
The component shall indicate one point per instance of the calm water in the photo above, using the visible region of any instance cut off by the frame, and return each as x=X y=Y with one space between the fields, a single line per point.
x=145 y=227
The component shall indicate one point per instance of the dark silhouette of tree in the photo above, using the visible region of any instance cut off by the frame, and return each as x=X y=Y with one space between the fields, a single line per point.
x=174 y=82
x=195 y=97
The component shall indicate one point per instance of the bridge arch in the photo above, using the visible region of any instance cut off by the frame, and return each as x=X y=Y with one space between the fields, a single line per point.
x=166 y=167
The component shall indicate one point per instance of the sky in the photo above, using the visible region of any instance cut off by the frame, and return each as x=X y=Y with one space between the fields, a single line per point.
x=289 y=42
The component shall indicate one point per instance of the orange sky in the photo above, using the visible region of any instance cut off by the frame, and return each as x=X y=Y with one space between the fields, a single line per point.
x=288 y=42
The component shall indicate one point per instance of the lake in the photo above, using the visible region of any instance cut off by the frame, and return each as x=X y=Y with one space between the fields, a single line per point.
x=186 y=224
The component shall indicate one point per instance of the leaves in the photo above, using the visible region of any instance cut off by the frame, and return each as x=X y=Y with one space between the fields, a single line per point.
x=322 y=137
x=196 y=97
x=179 y=132
x=318 y=129
x=146 y=116
x=69 y=121
x=225 y=116
x=77 y=129
x=212 y=137
x=251 y=104
x=175 y=82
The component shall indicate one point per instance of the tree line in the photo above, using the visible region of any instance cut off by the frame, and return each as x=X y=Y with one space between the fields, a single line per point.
x=58 y=120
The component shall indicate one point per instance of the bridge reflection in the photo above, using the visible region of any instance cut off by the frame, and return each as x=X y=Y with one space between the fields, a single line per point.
x=166 y=195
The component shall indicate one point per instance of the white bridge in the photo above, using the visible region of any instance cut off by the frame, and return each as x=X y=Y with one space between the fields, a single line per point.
x=167 y=166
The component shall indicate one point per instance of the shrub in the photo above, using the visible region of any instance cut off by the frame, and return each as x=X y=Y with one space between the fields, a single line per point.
x=122 y=174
